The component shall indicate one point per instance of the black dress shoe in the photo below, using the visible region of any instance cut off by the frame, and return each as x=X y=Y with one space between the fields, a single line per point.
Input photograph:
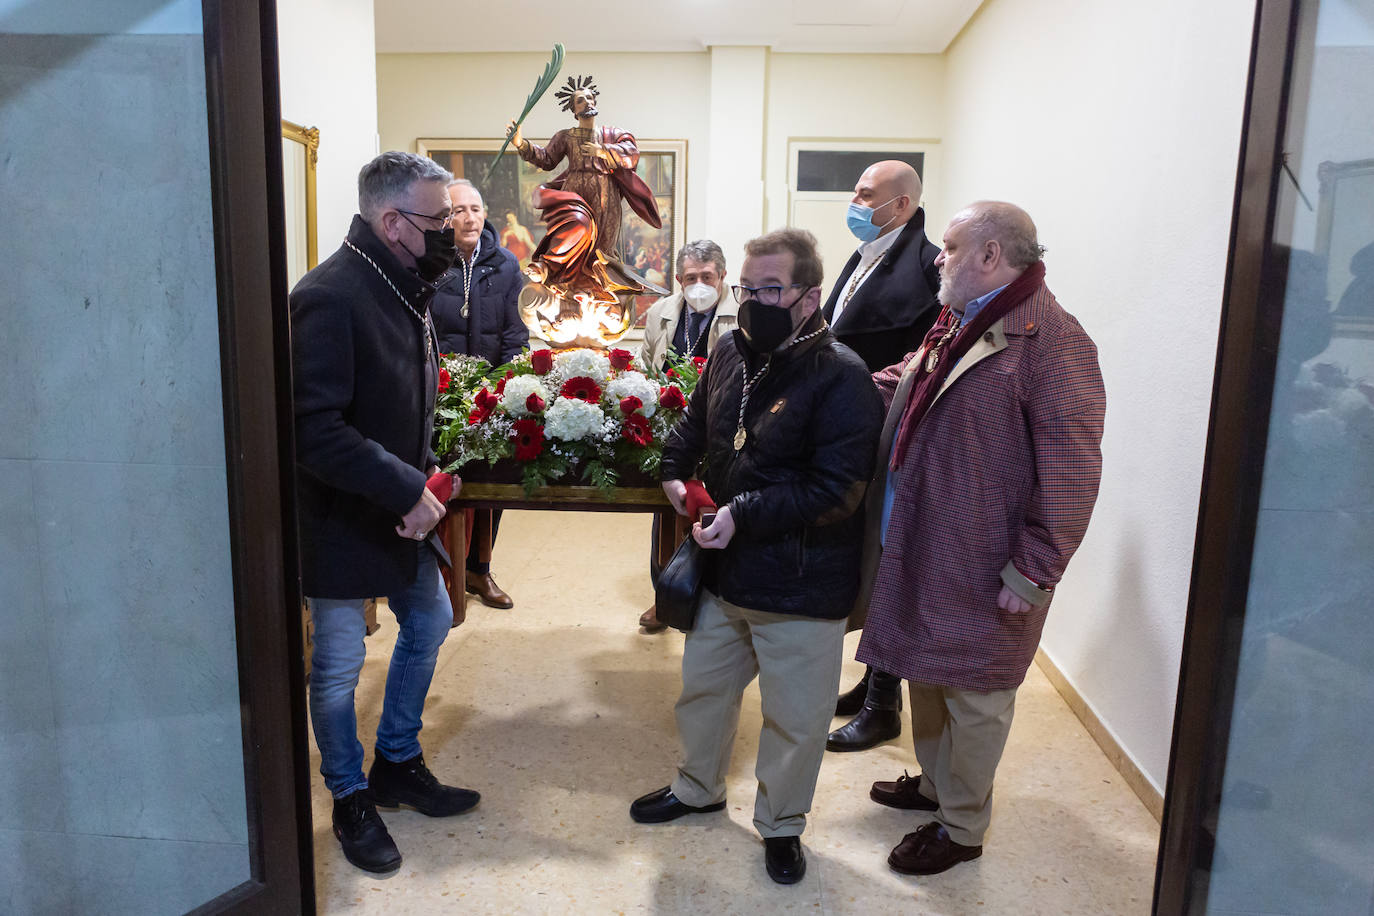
x=852 y=700
x=662 y=805
x=870 y=728
x=930 y=851
x=411 y=783
x=784 y=859
x=903 y=793
x=362 y=834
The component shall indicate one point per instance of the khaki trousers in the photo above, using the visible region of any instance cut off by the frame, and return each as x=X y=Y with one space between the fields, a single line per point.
x=959 y=737
x=797 y=660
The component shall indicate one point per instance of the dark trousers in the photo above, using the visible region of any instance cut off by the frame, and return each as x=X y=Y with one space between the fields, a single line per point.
x=485 y=523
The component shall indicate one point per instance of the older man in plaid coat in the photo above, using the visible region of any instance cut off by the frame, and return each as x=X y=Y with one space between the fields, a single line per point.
x=991 y=469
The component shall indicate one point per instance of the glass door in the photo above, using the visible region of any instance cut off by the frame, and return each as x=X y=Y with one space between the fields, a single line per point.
x=1270 y=805
x=150 y=699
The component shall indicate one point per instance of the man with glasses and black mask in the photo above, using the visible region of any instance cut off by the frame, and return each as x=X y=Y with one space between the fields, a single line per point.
x=365 y=380
x=786 y=419
x=881 y=307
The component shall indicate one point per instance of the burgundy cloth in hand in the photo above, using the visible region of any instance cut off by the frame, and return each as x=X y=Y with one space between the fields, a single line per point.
x=697 y=499
x=441 y=485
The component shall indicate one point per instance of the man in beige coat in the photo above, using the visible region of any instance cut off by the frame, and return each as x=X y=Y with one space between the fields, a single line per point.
x=688 y=323
x=700 y=298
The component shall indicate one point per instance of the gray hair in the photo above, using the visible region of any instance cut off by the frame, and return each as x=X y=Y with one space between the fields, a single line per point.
x=1011 y=226
x=467 y=184
x=389 y=177
x=702 y=251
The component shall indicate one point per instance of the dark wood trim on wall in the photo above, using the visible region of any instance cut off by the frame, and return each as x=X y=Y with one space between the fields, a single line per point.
x=244 y=108
x=1232 y=474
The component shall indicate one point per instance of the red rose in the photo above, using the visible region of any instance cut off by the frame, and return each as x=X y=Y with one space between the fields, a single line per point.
x=528 y=436
x=582 y=388
x=699 y=362
x=486 y=400
x=637 y=430
x=541 y=361
x=444 y=379
x=534 y=403
x=478 y=415
x=630 y=405
x=621 y=359
x=671 y=373
x=671 y=398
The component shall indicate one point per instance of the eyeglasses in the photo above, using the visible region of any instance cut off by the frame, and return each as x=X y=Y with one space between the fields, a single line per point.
x=766 y=295
x=444 y=221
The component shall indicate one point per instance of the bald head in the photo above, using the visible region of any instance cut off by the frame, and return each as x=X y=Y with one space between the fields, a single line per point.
x=987 y=245
x=1006 y=224
x=893 y=189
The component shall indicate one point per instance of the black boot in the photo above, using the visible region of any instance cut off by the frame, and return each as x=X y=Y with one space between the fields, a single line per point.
x=363 y=835
x=852 y=700
x=411 y=783
x=880 y=719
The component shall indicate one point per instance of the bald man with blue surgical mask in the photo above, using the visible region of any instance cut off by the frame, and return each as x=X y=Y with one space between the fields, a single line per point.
x=881 y=307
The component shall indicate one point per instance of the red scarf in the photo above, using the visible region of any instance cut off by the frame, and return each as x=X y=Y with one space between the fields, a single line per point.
x=948 y=352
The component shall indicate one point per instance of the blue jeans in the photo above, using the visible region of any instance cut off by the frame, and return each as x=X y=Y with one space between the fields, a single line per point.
x=424 y=615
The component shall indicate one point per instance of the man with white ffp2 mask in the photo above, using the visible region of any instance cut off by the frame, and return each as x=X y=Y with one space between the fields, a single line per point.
x=689 y=322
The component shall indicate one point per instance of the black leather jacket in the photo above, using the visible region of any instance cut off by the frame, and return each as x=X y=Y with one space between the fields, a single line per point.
x=796 y=488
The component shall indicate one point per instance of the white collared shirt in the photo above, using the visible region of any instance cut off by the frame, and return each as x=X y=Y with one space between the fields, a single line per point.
x=869 y=254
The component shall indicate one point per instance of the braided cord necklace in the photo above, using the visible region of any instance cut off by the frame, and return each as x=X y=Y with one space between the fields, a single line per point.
x=742 y=435
x=467 y=269
x=423 y=319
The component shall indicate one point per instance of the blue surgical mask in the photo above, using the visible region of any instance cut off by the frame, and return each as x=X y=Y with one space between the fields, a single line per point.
x=860 y=220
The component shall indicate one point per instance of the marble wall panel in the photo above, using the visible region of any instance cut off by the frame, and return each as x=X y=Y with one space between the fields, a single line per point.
x=145 y=689
x=73 y=875
x=28 y=747
x=108 y=207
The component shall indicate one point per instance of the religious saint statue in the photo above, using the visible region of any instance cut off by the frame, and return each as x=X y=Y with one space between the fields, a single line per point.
x=581 y=292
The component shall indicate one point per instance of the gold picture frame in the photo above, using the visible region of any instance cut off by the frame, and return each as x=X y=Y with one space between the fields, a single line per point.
x=300 y=157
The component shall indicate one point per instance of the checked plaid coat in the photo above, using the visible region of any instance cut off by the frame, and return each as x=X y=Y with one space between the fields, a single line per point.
x=1004 y=468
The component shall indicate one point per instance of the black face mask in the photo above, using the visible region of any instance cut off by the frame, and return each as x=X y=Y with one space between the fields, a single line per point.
x=439 y=255
x=767 y=327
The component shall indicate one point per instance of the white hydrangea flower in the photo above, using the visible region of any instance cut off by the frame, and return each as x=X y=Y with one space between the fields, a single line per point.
x=637 y=385
x=589 y=363
x=571 y=419
x=518 y=391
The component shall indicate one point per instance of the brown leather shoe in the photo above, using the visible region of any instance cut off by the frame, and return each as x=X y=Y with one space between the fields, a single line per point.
x=649 y=620
x=902 y=794
x=485 y=588
x=930 y=851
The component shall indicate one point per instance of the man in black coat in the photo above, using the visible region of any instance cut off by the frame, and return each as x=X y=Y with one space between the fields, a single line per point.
x=881 y=306
x=787 y=420
x=365 y=378
x=476 y=312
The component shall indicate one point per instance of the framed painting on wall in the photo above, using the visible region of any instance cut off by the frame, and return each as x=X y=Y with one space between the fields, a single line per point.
x=508 y=194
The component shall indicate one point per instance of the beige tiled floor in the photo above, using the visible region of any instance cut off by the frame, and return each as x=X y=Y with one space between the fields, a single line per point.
x=560 y=713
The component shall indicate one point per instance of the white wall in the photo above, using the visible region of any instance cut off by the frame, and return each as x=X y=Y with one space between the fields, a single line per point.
x=329 y=81
x=1117 y=127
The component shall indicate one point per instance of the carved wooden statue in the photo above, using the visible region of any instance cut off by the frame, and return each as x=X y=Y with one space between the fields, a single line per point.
x=581 y=290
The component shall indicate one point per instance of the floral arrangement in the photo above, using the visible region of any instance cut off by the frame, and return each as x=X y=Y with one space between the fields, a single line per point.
x=566 y=414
